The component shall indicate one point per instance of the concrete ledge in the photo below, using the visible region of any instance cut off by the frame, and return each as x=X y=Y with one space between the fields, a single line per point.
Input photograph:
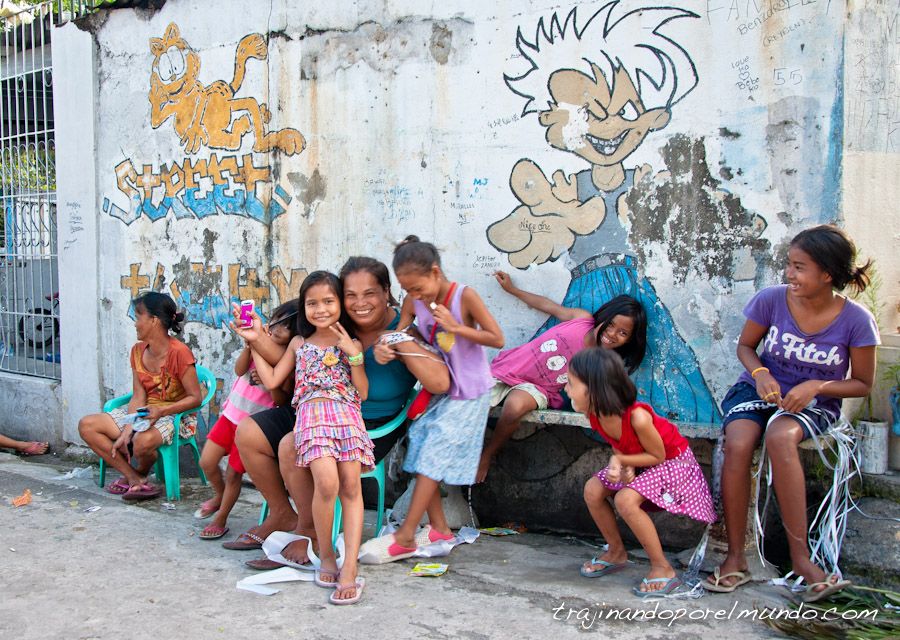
x=31 y=408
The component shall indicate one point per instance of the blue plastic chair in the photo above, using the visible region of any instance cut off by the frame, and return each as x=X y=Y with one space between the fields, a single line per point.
x=168 y=466
x=378 y=473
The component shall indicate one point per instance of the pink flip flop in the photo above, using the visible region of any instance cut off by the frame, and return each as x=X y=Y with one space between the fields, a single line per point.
x=213 y=532
x=143 y=491
x=429 y=535
x=118 y=487
x=338 y=589
x=206 y=510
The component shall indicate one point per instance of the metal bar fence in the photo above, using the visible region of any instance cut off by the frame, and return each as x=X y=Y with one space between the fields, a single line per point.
x=29 y=307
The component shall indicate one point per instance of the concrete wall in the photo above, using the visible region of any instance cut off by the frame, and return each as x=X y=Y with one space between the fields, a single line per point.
x=327 y=131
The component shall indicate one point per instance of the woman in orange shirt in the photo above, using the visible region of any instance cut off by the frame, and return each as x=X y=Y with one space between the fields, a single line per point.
x=165 y=383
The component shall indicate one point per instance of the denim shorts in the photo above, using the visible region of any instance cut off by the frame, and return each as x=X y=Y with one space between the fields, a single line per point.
x=743 y=403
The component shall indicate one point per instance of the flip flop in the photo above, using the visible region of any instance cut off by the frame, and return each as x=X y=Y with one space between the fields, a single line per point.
x=669 y=585
x=118 y=487
x=360 y=585
x=263 y=564
x=429 y=535
x=811 y=595
x=139 y=492
x=213 y=532
x=326 y=585
x=245 y=542
x=206 y=511
x=35 y=449
x=608 y=568
x=743 y=577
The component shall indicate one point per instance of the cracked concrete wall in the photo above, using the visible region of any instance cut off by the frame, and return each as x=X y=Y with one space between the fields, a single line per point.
x=239 y=147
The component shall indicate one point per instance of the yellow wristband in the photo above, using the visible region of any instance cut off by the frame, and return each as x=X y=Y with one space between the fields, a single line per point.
x=757 y=370
x=356 y=360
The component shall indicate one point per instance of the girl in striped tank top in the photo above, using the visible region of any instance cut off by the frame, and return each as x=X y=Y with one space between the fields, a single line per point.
x=246 y=398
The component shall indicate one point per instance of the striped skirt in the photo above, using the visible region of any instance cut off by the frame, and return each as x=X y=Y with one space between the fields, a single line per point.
x=327 y=428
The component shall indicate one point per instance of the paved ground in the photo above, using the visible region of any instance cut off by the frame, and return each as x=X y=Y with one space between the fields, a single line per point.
x=141 y=572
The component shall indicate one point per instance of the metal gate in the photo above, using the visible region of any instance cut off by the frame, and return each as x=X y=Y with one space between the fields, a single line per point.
x=29 y=306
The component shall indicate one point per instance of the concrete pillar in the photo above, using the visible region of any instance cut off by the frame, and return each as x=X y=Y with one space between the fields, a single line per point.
x=75 y=99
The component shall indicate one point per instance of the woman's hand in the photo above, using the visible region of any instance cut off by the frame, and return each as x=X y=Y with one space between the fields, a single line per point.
x=767 y=388
x=121 y=445
x=627 y=475
x=384 y=353
x=154 y=413
x=345 y=343
x=445 y=318
x=504 y=280
x=798 y=398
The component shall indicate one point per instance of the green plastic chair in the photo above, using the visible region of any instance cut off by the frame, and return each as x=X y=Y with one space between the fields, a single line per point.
x=167 y=462
x=378 y=473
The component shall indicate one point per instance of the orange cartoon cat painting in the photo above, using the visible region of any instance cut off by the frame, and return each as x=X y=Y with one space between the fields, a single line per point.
x=211 y=115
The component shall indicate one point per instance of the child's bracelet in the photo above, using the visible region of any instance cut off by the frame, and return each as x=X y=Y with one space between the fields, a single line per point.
x=757 y=370
x=356 y=360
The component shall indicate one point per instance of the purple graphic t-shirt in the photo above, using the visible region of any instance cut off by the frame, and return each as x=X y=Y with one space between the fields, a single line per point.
x=793 y=356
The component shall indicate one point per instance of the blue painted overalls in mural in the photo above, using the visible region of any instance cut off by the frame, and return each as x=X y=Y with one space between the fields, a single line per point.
x=669 y=379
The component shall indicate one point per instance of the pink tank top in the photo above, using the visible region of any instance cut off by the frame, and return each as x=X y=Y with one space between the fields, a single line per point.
x=470 y=376
x=544 y=362
x=246 y=398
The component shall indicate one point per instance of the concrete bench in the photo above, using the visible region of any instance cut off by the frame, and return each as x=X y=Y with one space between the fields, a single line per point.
x=703 y=439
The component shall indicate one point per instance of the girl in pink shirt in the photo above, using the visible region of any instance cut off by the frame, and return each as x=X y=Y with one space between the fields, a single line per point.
x=532 y=375
x=246 y=398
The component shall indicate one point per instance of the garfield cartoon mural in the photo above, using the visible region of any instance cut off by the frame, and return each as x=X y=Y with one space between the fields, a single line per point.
x=599 y=89
x=211 y=115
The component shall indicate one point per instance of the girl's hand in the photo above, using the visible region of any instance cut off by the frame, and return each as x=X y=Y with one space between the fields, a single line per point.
x=345 y=343
x=767 y=388
x=384 y=353
x=254 y=378
x=627 y=475
x=614 y=469
x=445 y=319
x=249 y=334
x=504 y=281
x=798 y=398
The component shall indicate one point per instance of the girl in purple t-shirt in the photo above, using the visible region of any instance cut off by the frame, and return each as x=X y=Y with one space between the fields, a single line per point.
x=532 y=376
x=811 y=337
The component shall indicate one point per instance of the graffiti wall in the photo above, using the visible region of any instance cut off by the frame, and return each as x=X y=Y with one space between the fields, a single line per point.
x=664 y=150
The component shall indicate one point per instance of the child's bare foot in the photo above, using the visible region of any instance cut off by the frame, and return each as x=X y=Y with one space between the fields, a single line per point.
x=658 y=579
x=32 y=448
x=484 y=465
x=297 y=551
x=611 y=557
x=730 y=566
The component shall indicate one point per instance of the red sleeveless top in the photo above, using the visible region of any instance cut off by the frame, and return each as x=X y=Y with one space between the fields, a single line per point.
x=629 y=444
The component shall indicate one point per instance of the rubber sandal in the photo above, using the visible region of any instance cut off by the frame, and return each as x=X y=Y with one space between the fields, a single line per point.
x=429 y=535
x=326 y=585
x=118 y=487
x=743 y=577
x=244 y=542
x=608 y=568
x=213 y=532
x=669 y=585
x=35 y=449
x=263 y=564
x=206 y=511
x=811 y=595
x=360 y=585
x=139 y=492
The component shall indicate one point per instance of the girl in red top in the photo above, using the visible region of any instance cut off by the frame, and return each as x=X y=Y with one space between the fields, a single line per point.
x=669 y=477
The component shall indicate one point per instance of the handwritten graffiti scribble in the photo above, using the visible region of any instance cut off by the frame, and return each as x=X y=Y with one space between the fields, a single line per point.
x=197 y=287
x=205 y=115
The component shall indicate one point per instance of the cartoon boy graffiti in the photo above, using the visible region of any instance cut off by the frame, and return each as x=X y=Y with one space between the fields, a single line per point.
x=606 y=85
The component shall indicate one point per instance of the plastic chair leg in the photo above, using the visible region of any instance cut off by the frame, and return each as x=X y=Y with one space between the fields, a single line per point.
x=168 y=455
x=263 y=512
x=102 y=480
x=378 y=474
x=196 y=450
x=338 y=521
